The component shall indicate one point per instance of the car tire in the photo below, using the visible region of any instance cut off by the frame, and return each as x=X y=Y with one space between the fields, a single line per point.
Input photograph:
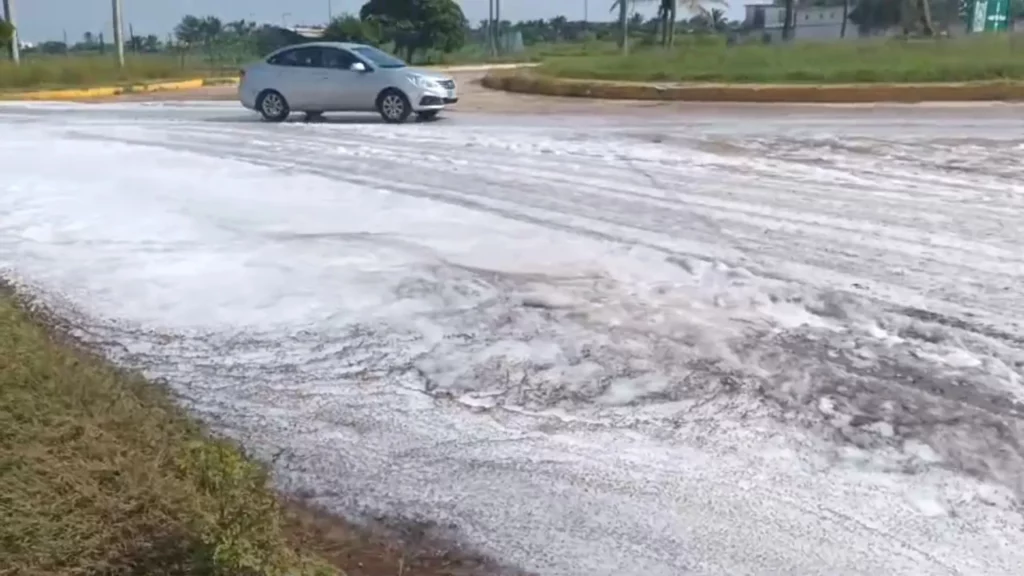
x=427 y=115
x=272 y=106
x=393 y=106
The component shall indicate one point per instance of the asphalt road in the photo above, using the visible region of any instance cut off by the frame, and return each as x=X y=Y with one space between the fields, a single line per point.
x=693 y=340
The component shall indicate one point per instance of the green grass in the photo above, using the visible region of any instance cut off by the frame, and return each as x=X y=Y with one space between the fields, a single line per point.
x=42 y=71
x=710 y=60
x=101 y=474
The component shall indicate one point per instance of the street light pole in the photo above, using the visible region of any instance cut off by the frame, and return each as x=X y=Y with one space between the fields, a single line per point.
x=118 y=32
x=15 y=42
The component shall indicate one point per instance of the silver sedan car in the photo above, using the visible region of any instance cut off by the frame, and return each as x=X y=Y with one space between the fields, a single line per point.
x=342 y=77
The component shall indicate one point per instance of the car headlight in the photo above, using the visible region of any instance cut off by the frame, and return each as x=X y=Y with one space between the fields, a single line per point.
x=424 y=82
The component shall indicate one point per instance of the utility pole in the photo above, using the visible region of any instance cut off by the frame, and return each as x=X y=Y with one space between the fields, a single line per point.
x=492 y=43
x=497 y=23
x=15 y=49
x=330 y=11
x=118 y=32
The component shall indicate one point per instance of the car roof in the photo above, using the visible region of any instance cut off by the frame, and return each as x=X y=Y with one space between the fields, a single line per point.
x=321 y=44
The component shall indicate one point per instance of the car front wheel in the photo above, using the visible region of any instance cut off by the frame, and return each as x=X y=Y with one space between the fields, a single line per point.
x=393 y=106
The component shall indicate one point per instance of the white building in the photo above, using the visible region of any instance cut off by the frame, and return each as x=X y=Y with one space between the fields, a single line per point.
x=809 y=22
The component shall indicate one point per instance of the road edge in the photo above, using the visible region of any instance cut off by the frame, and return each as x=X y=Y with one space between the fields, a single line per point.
x=540 y=85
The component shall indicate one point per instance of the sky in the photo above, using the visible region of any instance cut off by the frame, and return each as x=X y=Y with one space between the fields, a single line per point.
x=40 y=20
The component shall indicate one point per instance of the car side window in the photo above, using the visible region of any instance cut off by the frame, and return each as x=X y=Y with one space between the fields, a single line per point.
x=339 y=59
x=310 y=57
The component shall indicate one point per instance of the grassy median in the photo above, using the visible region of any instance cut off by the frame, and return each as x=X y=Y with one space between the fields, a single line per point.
x=101 y=474
x=708 y=59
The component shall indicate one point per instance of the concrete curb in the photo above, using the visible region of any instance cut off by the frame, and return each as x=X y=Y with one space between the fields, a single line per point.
x=527 y=83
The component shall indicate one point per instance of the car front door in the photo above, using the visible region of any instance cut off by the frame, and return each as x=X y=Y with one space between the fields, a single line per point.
x=345 y=88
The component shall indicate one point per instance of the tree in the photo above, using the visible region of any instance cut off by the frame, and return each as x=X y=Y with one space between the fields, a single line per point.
x=790 y=16
x=623 y=6
x=417 y=24
x=846 y=18
x=349 y=28
x=52 y=47
x=151 y=43
x=874 y=15
x=189 y=31
x=210 y=31
x=6 y=33
x=912 y=15
x=916 y=15
x=712 y=21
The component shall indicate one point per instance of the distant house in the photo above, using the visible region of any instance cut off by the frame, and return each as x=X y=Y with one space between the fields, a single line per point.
x=270 y=37
x=308 y=31
x=765 y=22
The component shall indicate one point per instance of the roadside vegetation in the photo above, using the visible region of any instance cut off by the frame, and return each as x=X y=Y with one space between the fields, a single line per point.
x=102 y=474
x=995 y=57
x=673 y=40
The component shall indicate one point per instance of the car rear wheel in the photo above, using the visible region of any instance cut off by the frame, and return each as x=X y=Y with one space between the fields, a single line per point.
x=428 y=114
x=272 y=106
x=393 y=106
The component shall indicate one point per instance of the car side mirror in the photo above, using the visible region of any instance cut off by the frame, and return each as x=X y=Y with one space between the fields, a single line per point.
x=357 y=67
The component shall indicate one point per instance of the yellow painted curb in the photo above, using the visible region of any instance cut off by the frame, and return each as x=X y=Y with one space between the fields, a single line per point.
x=527 y=83
x=223 y=81
x=105 y=91
x=167 y=86
x=81 y=94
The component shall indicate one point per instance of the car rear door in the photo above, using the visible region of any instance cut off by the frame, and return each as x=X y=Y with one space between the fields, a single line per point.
x=299 y=75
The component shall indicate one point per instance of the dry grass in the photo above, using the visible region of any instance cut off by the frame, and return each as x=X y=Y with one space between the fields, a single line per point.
x=102 y=474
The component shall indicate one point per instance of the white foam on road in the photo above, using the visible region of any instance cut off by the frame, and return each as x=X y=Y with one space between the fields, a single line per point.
x=708 y=346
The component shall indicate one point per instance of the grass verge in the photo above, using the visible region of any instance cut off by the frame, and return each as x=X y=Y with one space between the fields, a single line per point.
x=709 y=60
x=102 y=474
x=40 y=72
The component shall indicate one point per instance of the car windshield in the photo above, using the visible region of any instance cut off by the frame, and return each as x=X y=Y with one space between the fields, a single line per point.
x=379 y=58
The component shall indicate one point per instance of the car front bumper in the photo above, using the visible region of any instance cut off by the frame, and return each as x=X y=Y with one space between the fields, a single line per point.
x=424 y=99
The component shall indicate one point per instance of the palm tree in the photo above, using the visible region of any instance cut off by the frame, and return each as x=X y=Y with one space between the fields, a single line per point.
x=668 y=12
x=846 y=18
x=925 y=11
x=623 y=6
x=787 y=26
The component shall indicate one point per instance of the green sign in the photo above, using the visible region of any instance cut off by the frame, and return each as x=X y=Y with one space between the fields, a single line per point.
x=989 y=16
